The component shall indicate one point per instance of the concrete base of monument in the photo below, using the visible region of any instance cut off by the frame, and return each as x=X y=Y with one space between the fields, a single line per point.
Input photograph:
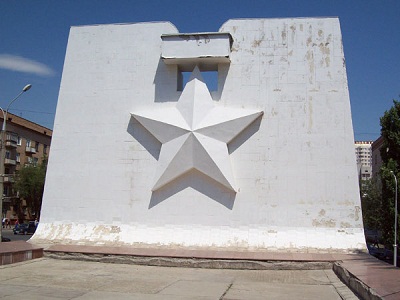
x=205 y=237
x=199 y=258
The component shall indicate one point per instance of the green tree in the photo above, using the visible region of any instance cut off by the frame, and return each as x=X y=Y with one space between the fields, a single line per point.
x=371 y=200
x=390 y=131
x=30 y=185
x=390 y=153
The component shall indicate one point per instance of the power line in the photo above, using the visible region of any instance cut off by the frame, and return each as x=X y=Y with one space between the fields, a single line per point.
x=33 y=111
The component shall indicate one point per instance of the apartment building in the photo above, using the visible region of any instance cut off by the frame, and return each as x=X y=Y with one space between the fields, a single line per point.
x=26 y=143
x=376 y=156
x=363 y=151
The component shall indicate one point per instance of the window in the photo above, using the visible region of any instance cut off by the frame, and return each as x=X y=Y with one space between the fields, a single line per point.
x=44 y=149
x=35 y=161
x=37 y=146
x=28 y=143
x=18 y=159
x=8 y=154
x=19 y=141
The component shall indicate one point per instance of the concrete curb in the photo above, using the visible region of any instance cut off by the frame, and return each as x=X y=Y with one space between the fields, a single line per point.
x=356 y=285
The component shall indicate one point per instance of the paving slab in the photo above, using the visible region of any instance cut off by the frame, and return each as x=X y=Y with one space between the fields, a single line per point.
x=48 y=278
x=261 y=291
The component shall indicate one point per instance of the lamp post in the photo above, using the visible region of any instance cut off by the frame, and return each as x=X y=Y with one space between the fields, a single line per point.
x=3 y=150
x=395 y=222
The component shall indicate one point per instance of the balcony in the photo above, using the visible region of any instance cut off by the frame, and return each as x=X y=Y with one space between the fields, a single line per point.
x=11 y=140
x=30 y=150
x=31 y=160
x=11 y=144
x=6 y=199
x=8 y=161
x=8 y=179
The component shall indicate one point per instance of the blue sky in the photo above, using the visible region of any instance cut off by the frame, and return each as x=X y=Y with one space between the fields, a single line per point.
x=34 y=34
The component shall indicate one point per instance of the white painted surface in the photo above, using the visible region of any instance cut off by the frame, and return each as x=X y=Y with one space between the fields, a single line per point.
x=176 y=46
x=294 y=169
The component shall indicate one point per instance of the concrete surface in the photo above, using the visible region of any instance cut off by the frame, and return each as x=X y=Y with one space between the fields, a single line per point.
x=47 y=278
x=365 y=275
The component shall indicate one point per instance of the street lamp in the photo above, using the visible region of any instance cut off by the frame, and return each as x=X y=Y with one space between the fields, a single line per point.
x=3 y=149
x=395 y=223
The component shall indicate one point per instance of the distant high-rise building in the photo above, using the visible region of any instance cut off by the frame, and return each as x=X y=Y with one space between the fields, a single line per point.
x=363 y=151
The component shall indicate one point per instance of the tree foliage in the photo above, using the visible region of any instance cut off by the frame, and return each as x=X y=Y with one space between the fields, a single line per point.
x=390 y=131
x=30 y=185
x=371 y=203
x=378 y=194
x=390 y=154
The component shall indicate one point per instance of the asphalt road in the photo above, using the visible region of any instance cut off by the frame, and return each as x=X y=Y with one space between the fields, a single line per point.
x=8 y=233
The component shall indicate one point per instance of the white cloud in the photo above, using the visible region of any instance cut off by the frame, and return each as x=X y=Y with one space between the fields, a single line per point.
x=21 y=64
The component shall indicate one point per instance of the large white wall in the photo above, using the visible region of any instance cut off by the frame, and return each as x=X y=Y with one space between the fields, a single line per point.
x=294 y=167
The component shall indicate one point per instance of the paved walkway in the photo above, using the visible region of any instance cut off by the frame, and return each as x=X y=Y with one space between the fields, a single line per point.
x=363 y=273
x=47 y=278
x=279 y=275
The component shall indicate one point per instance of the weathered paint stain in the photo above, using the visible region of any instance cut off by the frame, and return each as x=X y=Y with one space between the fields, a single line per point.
x=284 y=36
x=105 y=230
x=310 y=113
x=346 y=203
x=324 y=223
x=357 y=213
x=309 y=41
x=256 y=43
x=311 y=65
x=202 y=38
x=293 y=28
x=326 y=51
x=345 y=225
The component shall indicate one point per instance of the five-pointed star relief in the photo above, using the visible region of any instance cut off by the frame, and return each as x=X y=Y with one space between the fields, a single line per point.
x=195 y=134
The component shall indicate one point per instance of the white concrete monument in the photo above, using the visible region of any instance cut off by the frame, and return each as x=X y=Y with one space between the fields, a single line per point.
x=261 y=159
